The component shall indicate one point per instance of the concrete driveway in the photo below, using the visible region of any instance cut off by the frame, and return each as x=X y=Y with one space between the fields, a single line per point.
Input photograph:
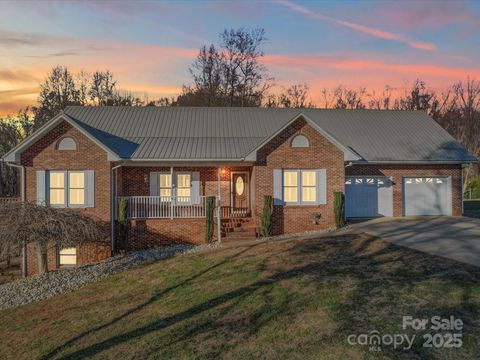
x=456 y=238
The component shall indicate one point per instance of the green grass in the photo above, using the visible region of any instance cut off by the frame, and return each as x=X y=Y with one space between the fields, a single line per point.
x=286 y=299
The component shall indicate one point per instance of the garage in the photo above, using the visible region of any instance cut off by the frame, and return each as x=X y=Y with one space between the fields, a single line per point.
x=427 y=196
x=368 y=196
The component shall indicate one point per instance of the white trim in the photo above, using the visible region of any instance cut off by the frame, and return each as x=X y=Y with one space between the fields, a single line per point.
x=14 y=154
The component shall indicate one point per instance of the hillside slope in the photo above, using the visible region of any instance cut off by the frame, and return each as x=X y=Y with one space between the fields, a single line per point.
x=285 y=299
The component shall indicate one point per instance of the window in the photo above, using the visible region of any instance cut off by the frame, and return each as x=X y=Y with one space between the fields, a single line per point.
x=66 y=188
x=290 y=186
x=166 y=186
x=300 y=141
x=76 y=188
x=300 y=186
x=66 y=144
x=57 y=188
x=180 y=186
x=68 y=256
x=309 y=186
x=183 y=187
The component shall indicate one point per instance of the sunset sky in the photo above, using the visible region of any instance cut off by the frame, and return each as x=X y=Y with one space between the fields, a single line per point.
x=150 y=45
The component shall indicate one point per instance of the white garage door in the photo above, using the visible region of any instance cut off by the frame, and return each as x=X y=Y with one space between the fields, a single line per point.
x=427 y=196
x=367 y=197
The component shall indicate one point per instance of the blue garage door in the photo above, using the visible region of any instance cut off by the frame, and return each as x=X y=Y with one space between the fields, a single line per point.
x=368 y=197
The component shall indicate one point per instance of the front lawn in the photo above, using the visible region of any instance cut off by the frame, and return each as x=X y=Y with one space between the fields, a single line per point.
x=286 y=299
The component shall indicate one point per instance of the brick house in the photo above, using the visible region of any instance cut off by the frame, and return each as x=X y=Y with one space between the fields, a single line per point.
x=167 y=161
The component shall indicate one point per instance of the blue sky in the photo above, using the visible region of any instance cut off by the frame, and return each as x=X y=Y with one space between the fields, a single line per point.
x=150 y=44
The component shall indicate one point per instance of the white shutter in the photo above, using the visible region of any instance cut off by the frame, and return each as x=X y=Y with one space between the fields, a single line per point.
x=195 y=190
x=89 y=188
x=41 y=187
x=322 y=186
x=277 y=187
x=154 y=184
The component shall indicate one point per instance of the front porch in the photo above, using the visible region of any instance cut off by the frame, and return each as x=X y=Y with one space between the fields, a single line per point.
x=160 y=197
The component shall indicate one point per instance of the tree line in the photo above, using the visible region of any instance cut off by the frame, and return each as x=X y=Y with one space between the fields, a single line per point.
x=231 y=73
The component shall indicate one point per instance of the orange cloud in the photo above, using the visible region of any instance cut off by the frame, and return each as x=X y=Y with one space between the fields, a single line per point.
x=358 y=27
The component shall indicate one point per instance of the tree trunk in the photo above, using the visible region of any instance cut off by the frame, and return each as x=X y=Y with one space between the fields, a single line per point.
x=42 y=258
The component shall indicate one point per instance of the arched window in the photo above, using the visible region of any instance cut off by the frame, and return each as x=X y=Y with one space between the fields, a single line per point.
x=67 y=144
x=300 y=141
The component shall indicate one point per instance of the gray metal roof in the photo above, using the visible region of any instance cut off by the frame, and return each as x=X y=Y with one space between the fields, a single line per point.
x=196 y=133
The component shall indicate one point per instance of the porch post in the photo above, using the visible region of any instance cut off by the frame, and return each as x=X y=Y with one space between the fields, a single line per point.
x=172 y=194
x=219 y=204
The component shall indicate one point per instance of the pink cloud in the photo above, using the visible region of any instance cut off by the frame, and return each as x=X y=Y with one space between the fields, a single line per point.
x=361 y=65
x=359 y=27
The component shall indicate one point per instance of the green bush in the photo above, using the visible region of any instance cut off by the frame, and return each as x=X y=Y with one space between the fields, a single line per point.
x=266 y=228
x=209 y=212
x=339 y=208
x=123 y=225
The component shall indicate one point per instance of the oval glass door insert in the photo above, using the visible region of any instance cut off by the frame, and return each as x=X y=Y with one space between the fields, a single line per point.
x=239 y=186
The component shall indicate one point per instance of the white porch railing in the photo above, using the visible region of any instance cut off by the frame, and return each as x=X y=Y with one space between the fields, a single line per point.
x=165 y=207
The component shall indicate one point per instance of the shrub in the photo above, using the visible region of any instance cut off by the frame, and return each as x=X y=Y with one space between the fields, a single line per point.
x=209 y=223
x=123 y=224
x=339 y=208
x=266 y=228
x=45 y=228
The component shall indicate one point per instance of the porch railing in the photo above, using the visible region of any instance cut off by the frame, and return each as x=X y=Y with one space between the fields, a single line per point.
x=165 y=207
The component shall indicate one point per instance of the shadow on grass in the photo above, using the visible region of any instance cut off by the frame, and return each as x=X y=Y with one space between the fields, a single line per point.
x=154 y=298
x=383 y=275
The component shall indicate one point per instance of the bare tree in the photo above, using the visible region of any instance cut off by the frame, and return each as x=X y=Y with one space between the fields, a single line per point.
x=103 y=88
x=44 y=227
x=206 y=71
x=296 y=96
x=231 y=74
x=345 y=98
x=382 y=102
x=417 y=98
x=57 y=91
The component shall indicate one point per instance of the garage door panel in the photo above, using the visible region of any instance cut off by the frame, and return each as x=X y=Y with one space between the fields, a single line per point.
x=427 y=196
x=368 y=197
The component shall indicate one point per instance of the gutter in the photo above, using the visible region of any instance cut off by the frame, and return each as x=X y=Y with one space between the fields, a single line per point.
x=23 y=198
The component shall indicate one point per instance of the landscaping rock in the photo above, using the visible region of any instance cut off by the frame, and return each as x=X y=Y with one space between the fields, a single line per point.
x=44 y=286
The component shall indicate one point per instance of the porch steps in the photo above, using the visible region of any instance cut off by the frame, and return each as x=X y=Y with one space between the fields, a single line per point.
x=239 y=229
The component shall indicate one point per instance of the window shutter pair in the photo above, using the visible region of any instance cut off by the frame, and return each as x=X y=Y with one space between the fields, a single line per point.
x=195 y=185
x=278 y=186
x=43 y=188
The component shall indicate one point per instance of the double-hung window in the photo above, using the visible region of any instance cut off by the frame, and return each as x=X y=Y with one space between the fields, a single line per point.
x=68 y=188
x=184 y=183
x=300 y=187
x=181 y=187
x=165 y=186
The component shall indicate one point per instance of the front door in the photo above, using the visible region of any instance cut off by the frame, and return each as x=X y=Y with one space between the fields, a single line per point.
x=240 y=188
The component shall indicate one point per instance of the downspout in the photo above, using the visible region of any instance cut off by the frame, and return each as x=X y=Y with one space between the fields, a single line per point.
x=23 y=198
x=219 y=204
x=345 y=213
x=113 y=208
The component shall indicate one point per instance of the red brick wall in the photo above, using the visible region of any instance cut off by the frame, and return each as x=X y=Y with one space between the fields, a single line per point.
x=43 y=155
x=157 y=232
x=397 y=172
x=278 y=154
x=135 y=181
x=86 y=253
